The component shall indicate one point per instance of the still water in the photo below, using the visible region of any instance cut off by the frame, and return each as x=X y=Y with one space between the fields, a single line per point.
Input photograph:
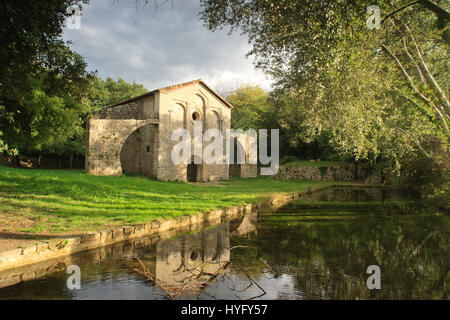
x=318 y=247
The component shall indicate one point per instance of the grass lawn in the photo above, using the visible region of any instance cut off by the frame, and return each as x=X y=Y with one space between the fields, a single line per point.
x=70 y=201
x=306 y=163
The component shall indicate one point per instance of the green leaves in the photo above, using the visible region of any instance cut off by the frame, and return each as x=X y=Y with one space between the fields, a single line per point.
x=251 y=108
x=4 y=148
x=331 y=77
x=42 y=82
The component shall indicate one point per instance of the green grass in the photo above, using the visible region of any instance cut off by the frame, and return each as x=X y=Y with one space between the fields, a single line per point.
x=306 y=163
x=70 y=201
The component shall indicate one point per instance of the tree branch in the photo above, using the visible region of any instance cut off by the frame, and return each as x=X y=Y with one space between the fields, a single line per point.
x=440 y=12
x=398 y=10
x=428 y=76
x=419 y=72
x=428 y=101
x=416 y=142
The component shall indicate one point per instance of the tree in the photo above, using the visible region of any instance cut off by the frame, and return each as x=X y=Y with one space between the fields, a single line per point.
x=46 y=93
x=293 y=40
x=251 y=108
x=42 y=82
x=324 y=55
x=107 y=92
x=438 y=101
x=121 y=90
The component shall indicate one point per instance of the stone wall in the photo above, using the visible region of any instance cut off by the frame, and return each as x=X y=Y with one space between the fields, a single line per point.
x=124 y=138
x=139 y=152
x=176 y=109
x=249 y=170
x=350 y=172
x=126 y=111
x=105 y=142
x=120 y=142
x=335 y=173
x=243 y=170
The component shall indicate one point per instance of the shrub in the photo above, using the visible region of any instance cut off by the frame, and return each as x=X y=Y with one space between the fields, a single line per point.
x=288 y=159
x=425 y=176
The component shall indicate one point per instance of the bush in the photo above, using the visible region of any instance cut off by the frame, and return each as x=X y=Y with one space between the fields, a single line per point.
x=425 y=176
x=288 y=159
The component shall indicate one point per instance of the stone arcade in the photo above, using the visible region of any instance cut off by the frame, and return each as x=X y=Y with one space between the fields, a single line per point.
x=134 y=136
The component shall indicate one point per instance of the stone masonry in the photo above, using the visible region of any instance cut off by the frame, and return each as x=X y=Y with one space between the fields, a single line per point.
x=134 y=136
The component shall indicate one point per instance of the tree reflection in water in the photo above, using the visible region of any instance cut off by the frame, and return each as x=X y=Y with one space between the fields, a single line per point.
x=184 y=266
x=318 y=247
x=328 y=240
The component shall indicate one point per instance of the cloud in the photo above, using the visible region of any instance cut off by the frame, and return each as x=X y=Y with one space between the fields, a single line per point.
x=160 y=47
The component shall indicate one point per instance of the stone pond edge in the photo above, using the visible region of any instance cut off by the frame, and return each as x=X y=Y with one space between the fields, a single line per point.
x=62 y=247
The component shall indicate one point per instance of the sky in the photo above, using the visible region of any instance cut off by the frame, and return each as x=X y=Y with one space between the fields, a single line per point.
x=161 y=47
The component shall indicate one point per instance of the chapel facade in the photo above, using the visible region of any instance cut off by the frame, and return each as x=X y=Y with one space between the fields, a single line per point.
x=134 y=136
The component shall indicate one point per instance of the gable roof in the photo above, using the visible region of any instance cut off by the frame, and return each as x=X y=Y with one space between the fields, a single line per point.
x=172 y=88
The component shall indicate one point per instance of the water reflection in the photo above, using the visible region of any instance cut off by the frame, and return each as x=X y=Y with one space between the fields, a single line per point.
x=110 y=272
x=206 y=252
x=185 y=265
x=318 y=247
x=327 y=240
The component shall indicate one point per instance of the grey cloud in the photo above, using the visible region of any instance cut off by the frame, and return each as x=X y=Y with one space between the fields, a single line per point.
x=162 y=47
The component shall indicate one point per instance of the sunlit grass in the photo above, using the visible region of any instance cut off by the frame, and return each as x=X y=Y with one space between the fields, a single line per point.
x=65 y=201
x=306 y=163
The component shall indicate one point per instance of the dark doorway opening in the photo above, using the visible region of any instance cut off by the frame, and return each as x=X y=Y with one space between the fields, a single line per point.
x=192 y=172
x=235 y=167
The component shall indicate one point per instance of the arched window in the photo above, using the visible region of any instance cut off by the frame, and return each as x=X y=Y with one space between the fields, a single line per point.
x=198 y=102
x=177 y=117
x=215 y=121
x=196 y=116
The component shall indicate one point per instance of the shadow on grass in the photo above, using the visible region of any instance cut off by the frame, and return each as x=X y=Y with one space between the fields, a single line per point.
x=63 y=199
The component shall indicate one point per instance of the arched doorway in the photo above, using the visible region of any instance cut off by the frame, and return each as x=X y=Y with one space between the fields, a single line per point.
x=137 y=154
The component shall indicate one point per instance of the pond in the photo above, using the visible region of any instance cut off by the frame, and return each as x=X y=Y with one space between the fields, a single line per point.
x=318 y=247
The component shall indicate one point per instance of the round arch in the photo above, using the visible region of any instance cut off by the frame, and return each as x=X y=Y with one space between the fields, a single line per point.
x=105 y=141
x=138 y=152
x=177 y=117
x=215 y=120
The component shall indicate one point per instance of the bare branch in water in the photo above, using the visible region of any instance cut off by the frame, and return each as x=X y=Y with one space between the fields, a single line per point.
x=195 y=281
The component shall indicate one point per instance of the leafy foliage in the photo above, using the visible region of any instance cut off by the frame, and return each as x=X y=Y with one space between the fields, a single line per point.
x=46 y=93
x=332 y=78
x=42 y=82
x=107 y=92
x=251 y=108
